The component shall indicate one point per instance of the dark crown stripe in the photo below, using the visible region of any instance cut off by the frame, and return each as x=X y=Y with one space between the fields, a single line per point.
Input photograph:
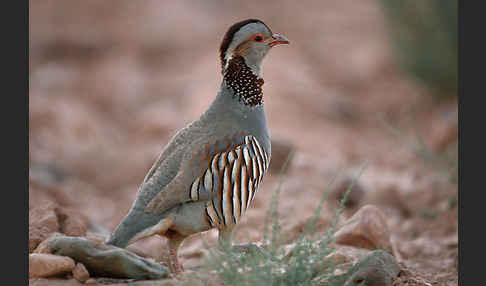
x=228 y=37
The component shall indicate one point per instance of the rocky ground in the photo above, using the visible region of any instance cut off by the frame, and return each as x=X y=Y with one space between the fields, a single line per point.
x=111 y=81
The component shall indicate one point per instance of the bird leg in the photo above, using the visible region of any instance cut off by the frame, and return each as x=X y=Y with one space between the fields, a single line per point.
x=225 y=235
x=175 y=241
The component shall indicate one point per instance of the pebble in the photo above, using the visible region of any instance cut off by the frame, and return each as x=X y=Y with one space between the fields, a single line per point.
x=367 y=228
x=48 y=265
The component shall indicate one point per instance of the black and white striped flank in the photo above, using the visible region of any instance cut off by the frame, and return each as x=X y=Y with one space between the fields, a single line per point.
x=230 y=182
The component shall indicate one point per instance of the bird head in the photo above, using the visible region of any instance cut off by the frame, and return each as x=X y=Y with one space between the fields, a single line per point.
x=251 y=39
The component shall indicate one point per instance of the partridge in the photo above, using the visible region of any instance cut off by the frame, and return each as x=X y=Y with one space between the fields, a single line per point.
x=210 y=171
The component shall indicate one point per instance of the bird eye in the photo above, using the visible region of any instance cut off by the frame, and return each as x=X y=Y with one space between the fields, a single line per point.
x=257 y=37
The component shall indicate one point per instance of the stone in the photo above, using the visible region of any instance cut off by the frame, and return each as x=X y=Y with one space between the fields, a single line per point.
x=42 y=223
x=367 y=228
x=71 y=222
x=165 y=282
x=389 y=197
x=378 y=268
x=47 y=265
x=343 y=257
x=91 y=281
x=46 y=219
x=446 y=133
x=408 y=277
x=333 y=259
x=80 y=272
x=340 y=187
x=54 y=282
x=43 y=247
x=348 y=254
x=107 y=260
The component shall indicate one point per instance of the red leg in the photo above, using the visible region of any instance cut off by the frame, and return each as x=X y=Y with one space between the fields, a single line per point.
x=174 y=265
x=175 y=241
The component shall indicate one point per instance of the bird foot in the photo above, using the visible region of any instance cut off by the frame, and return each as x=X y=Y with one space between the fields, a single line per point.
x=175 y=267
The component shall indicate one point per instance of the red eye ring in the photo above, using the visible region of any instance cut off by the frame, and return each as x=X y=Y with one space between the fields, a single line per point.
x=258 y=37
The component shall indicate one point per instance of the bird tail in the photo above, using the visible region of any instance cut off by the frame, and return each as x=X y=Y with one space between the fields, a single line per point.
x=132 y=224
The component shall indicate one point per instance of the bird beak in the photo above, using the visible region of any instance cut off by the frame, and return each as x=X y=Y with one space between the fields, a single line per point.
x=278 y=39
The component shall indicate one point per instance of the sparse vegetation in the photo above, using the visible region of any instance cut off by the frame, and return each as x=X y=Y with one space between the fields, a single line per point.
x=109 y=87
x=305 y=263
x=424 y=34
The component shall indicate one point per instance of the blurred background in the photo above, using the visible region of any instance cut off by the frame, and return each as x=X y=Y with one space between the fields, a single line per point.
x=362 y=81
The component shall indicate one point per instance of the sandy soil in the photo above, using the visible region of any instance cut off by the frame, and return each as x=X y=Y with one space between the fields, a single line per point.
x=112 y=81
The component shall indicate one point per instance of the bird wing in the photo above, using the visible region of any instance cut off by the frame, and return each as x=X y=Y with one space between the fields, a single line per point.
x=202 y=173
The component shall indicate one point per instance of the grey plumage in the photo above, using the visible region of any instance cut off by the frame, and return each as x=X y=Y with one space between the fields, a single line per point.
x=211 y=166
x=167 y=184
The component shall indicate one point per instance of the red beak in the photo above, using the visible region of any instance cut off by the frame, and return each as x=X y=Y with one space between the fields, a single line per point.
x=278 y=40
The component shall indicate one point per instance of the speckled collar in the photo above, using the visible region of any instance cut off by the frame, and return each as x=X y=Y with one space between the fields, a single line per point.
x=245 y=84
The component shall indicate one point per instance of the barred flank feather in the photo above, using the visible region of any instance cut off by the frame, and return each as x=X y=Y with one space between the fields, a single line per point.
x=240 y=171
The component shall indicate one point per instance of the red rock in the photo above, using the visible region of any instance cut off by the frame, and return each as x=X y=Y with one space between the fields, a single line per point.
x=43 y=247
x=91 y=281
x=350 y=253
x=80 y=272
x=389 y=197
x=367 y=228
x=340 y=187
x=443 y=135
x=47 y=219
x=71 y=222
x=47 y=265
x=42 y=223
